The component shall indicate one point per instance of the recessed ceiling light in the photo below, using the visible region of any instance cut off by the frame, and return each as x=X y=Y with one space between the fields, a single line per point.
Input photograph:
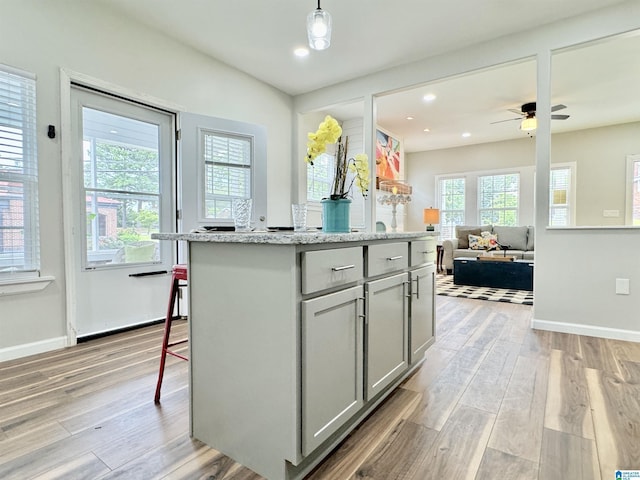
x=409 y=117
x=301 y=52
x=429 y=97
x=426 y=130
x=113 y=132
x=466 y=134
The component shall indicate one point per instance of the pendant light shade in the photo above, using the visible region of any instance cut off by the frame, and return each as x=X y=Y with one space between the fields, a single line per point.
x=319 y=29
x=529 y=123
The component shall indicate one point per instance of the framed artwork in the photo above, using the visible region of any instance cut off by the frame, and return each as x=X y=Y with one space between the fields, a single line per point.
x=387 y=156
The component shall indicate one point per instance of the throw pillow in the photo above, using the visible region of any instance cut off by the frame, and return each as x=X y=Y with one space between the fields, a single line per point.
x=475 y=242
x=484 y=241
x=463 y=236
x=515 y=237
x=530 y=238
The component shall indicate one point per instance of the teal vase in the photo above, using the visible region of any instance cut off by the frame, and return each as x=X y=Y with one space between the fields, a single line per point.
x=335 y=215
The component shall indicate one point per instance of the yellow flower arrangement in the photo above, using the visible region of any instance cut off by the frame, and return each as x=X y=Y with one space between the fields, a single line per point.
x=329 y=131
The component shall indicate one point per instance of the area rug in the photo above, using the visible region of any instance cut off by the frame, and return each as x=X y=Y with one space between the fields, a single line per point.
x=445 y=286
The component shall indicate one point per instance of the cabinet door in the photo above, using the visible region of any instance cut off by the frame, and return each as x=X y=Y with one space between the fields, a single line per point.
x=386 y=331
x=422 y=315
x=332 y=372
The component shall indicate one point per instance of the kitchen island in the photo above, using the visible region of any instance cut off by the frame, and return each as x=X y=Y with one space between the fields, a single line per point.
x=296 y=337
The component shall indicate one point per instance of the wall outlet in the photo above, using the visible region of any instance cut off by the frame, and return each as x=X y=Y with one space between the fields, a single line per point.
x=622 y=286
x=611 y=213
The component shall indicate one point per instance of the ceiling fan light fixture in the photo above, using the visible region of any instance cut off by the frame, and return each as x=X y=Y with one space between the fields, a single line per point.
x=528 y=124
x=319 y=29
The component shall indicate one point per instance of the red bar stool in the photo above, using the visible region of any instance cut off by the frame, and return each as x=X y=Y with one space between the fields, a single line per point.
x=179 y=273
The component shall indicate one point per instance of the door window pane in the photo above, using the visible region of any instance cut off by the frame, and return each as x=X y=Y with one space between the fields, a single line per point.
x=227 y=161
x=121 y=188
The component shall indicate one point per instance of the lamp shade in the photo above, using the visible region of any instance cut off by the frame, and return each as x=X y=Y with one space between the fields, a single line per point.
x=529 y=123
x=431 y=216
x=319 y=29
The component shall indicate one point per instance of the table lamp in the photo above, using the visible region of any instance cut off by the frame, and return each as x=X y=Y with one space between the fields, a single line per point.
x=429 y=217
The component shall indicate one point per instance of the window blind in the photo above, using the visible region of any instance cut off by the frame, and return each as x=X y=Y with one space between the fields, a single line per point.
x=19 y=240
x=559 y=194
x=227 y=172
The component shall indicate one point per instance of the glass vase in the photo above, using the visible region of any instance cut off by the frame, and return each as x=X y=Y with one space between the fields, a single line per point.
x=336 y=215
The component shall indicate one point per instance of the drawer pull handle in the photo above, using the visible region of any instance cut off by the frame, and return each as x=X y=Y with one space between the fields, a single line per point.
x=344 y=267
x=397 y=257
x=427 y=251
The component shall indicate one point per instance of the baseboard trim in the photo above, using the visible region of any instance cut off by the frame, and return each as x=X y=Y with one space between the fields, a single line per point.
x=589 y=330
x=19 y=351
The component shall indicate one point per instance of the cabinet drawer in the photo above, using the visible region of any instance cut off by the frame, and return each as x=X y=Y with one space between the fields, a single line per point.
x=331 y=268
x=423 y=251
x=386 y=258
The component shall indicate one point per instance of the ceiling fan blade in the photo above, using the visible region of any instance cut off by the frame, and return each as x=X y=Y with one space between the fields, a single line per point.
x=513 y=110
x=507 y=120
x=559 y=117
x=555 y=108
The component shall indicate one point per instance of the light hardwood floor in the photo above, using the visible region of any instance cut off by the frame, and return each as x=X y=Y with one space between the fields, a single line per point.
x=493 y=400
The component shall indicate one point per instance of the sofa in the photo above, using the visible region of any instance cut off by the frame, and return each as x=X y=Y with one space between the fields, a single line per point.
x=472 y=241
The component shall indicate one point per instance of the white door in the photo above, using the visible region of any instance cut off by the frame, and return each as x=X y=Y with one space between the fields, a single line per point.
x=121 y=177
x=220 y=160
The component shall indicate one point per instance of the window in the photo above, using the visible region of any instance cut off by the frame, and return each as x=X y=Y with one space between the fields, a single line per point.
x=319 y=177
x=227 y=172
x=452 y=203
x=498 y=199
x=633 y=190
x=19 y=242
x=121 y=187
x=560 y=196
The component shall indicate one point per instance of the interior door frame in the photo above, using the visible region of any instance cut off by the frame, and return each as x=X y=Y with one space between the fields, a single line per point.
x=71 y=258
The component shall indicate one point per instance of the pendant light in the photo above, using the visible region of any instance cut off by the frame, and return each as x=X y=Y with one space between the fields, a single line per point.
x=529 y=123
x=319 y=29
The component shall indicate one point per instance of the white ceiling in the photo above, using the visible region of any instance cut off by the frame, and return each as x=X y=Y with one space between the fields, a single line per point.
x=258 y=37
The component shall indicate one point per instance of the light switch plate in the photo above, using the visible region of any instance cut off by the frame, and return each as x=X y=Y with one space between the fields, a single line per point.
x=622 y=286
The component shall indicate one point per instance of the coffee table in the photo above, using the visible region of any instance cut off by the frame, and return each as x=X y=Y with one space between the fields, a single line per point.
x=516 y=275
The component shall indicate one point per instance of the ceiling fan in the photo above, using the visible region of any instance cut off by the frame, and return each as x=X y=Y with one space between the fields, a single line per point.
x=528 y=115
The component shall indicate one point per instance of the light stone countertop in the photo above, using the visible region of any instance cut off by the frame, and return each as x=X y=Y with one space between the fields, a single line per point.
x=287 y=237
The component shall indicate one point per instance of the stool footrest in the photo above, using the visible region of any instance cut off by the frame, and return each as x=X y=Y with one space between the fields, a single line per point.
x=169 y=352
x=173 y=344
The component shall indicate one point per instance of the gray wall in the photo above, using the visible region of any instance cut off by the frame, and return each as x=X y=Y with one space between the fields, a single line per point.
x=567 y=298
x=44 y=36
x=599 y=154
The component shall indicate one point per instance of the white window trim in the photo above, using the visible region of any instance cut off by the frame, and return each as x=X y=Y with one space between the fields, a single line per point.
x=24 y=284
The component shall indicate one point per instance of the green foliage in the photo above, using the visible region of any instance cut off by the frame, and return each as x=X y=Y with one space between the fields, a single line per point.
x=128 y=235
x=120 y=167
x=147 y=218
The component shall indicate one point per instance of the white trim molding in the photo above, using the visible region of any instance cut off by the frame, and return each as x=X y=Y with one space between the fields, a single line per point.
x=589 y=330
x=25 y=285
x=19 y=351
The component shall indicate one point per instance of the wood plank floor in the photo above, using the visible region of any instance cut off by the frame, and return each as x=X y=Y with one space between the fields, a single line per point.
x=494 y=399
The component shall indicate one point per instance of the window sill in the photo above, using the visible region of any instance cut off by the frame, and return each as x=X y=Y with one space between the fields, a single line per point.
x=24 y=285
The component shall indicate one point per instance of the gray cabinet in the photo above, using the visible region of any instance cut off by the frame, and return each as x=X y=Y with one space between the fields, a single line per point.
x=386 y=334
x=421 y=311
x=332 y=374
